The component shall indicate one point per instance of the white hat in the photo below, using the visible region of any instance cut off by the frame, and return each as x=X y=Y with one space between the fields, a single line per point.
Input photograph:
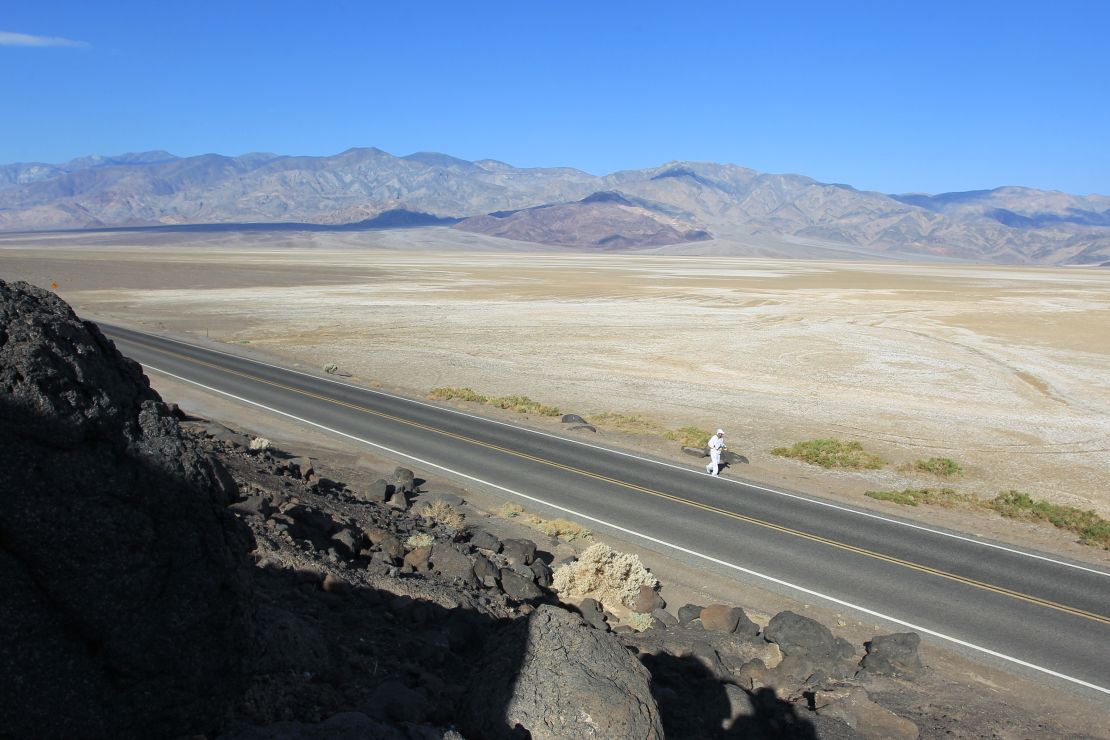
x=720 y=431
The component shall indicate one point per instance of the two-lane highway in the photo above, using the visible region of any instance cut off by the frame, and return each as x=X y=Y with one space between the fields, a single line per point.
x=1043 y=613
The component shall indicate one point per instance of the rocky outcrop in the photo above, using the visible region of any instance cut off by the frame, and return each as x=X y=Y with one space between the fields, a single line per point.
x=563 y=680
x=125 y=603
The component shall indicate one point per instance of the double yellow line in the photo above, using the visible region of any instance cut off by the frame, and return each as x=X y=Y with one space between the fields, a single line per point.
x=652 y=492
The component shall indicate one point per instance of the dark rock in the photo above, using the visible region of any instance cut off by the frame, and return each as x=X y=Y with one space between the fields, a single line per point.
x=893 y=655
x=256 y=505
x=519 y=587
x=688 y=613
x=483 y=540
x=665 y=617
x=115 y=546
x=447 y=559
x=398 y=499
x=554 y=677
x=485 y=571
x=304 y=468
x=729 y=458
x=347 y=542
x=696 y=451
x=647 y=600
x=391 y=547
x=404 y=480
x=375 y=492
x=724 y=618
x=418 y=559
x=572 y=419
x=520 y=551
x=591 y=612
x=795 y=633
x=583 y=428
x=396 y=702
x=542 y=573
x=226 y=486
x=342 y=726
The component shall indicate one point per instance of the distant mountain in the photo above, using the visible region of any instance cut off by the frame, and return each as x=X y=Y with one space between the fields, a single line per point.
x=684 y=206
x=603 y=220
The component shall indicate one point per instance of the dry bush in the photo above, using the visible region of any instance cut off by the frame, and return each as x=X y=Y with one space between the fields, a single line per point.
x=564 y=528
x=260 y=443
x=604 y=574
x=690 y=436
x=441 y=512
x=509 y=510
x=639 y=622
x=632 y=423
x=420 y=539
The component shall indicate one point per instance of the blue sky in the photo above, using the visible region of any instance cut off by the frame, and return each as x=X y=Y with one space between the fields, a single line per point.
x=890 y=96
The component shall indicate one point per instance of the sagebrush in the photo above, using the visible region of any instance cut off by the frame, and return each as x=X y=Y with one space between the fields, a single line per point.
x=602 y=573
x=441 y=512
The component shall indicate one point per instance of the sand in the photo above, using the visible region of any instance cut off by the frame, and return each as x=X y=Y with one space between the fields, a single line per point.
x=1005 y=370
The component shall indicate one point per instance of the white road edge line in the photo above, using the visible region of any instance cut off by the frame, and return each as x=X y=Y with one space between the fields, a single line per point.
x=649 y=538
x=629 y=455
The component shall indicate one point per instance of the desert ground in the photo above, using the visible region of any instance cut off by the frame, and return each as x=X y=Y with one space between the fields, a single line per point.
x=1004 y=369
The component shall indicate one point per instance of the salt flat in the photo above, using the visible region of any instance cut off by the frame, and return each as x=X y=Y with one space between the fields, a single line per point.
x=1006 y=370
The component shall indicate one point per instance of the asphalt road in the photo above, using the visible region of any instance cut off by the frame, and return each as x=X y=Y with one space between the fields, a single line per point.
x=1039 y=614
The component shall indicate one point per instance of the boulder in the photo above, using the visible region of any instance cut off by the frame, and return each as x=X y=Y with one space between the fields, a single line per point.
x=722 y=618
x=893 y=655
x=519 y=551
x=665 y=618
x=572 y=419
x=447 y=559
x=519 y=587
x=696 y=451
x=376 y=492
x=688 y=613
x=583 y=428
x=485 y=571
x=404 y=480
x=553 y=677
x=591 y=612
x=126 y=605
x=483 y=540
x=854 y=707
x=797 y=634
x=542 y=573
x=647 y=600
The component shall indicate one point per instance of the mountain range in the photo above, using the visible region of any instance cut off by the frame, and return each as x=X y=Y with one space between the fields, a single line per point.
x=686 y=207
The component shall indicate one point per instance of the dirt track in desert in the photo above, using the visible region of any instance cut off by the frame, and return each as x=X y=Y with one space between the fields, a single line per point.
x=1006 y=370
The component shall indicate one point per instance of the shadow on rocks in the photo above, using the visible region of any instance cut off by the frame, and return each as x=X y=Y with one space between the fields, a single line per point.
x=694 y=703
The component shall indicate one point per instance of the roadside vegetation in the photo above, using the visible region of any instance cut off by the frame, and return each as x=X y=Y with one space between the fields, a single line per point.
x=946 y=497
x=832 y=453
x=690 y=436
x=520 y=404
x=1091 y=528
x=561 y=528
x=631 y=423
x=942 y=466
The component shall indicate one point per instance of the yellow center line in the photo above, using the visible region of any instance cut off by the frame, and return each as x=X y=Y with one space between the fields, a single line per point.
x=659 y=494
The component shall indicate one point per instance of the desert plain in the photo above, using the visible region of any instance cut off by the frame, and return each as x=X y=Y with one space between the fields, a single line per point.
x=1005 y=370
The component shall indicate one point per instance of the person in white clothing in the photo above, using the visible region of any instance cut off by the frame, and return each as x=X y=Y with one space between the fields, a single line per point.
x=716 y=444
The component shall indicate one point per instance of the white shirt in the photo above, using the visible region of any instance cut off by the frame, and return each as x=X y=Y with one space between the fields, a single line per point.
x=716 y=444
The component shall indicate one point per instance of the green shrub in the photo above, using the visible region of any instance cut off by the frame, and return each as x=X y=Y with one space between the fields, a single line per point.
x=564 y=528
x=1091 y=528
x=690 y=436
x=945 y=497
x=942 y=466
x=831 y=453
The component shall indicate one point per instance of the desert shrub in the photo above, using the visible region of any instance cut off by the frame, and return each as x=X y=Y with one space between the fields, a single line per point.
x=639 y=622
x=331 y=368
x=420 y=539
x=946 y=497
x=604 y=574
x=524 y=405
x=632 y=423
x=441 y=512
x=509 y=510
x=564 y=528
x=1091 y=528
x=462 y=394
x=831 y=453
x=260 y=443
x=690 y=436
x=942 y=466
